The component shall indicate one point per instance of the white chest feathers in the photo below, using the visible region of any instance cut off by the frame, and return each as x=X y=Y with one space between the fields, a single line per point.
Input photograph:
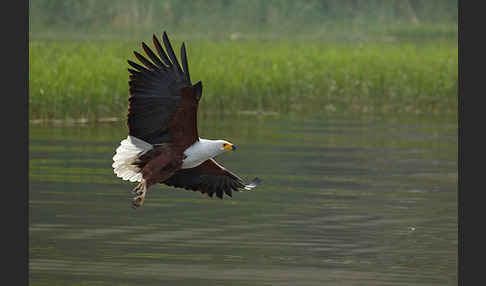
x=201 y=151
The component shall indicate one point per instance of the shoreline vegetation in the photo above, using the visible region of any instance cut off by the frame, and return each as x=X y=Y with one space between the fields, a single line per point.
x=73 y=79
x=273 y=57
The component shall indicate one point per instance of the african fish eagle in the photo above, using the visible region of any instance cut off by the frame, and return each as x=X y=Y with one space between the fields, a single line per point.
x=163 y=145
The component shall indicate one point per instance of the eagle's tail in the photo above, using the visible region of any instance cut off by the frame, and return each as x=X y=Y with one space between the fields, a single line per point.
x=126 y=154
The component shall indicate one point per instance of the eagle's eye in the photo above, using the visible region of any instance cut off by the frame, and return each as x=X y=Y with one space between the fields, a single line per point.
x=225 y=144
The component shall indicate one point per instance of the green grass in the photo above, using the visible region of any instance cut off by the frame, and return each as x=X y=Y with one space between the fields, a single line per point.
x=89 y=79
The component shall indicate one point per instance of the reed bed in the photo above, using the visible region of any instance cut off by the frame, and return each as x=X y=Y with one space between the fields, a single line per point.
x=89 y=79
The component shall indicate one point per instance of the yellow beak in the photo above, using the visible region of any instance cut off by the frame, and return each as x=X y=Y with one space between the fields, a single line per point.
x=230 y=147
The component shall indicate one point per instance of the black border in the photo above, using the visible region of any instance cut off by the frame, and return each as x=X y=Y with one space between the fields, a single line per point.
x=470 y=185
x=15 y=142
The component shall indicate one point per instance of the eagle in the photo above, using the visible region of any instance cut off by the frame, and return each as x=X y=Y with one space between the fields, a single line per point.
x=163 y=145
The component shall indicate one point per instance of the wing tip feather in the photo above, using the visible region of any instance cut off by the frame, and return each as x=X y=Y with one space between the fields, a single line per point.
x=253 y=184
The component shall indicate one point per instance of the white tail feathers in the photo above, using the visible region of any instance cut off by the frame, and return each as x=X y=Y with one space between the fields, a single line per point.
x=128 y=151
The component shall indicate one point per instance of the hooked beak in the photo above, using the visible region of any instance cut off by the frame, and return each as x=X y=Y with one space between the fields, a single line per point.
x=229 y=147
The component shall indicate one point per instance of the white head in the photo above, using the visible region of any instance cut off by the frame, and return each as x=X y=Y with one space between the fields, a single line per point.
x=203 y=150
x=223 y=146
x=217 y=147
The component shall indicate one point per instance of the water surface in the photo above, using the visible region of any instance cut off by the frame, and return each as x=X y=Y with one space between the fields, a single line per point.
x=344 y=200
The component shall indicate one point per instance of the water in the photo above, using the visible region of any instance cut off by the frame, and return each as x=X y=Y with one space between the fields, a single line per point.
x=344 y=200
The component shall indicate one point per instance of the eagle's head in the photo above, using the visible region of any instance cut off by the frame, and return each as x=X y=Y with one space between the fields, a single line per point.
x=226 y=146
x=210 y=148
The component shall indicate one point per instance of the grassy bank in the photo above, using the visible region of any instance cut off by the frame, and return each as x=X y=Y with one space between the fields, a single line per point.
x=74 y=79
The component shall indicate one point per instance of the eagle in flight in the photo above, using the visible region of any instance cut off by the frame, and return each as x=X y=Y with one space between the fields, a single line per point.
x=163 y=145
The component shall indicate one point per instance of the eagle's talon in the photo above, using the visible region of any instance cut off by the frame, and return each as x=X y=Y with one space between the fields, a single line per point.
x=138 y=201
x=136 y=194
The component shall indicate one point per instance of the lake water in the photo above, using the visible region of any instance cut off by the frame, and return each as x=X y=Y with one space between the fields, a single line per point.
x=363 y=200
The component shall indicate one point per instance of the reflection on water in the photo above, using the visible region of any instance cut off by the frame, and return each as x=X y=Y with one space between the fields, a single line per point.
x=348 y=201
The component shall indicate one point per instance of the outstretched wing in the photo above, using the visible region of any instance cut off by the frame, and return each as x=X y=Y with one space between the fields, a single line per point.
x=163 y=103
x=209 y=178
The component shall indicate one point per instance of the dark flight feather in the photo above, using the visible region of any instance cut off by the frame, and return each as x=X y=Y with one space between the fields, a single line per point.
x=156 y=96
x=208 y=178
x=170 y=52
x=139 y=68
x=161 y=52
x=184 y=62
x=152 y=56
x=145 y=61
